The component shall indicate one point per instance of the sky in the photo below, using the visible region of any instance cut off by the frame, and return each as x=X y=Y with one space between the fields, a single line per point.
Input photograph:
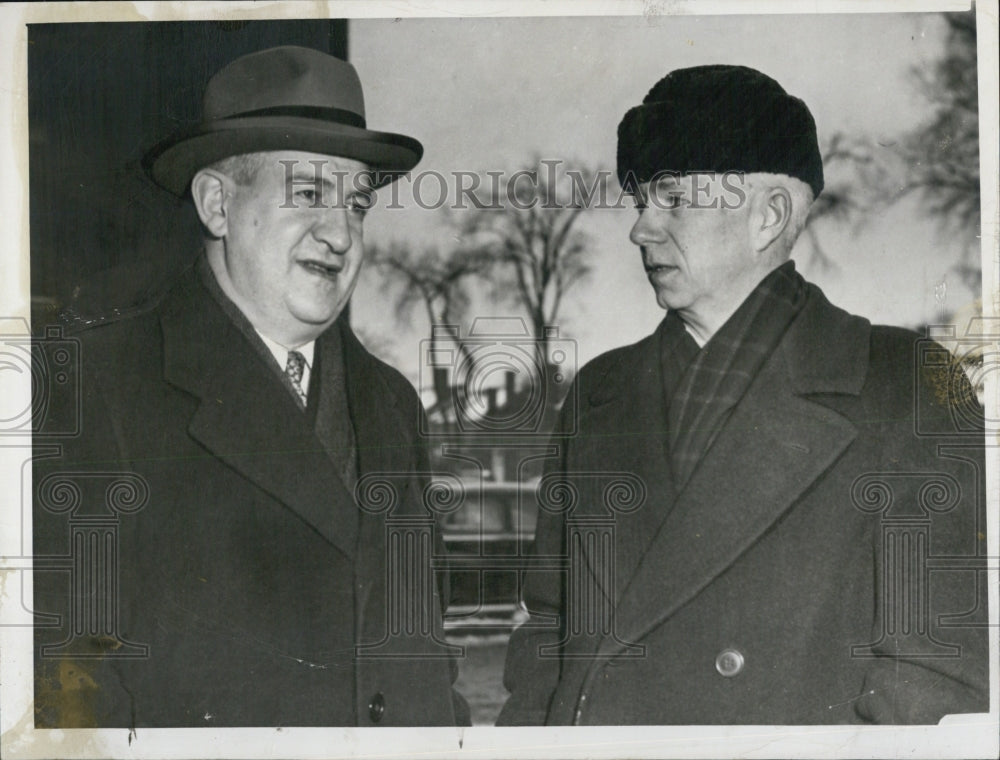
x=487 y=94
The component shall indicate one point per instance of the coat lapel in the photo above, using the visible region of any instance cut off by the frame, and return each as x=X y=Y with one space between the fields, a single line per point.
x=246 y=418
x=386 y=455
x=333 y=423
x=376 y=413
x=623 y=426
x=776 y=443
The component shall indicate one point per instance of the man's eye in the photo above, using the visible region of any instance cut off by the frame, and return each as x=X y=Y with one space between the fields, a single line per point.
x=359 y=204
x=671 y=200
x=307 y=195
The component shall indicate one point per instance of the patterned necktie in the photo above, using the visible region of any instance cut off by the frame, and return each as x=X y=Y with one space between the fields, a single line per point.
x=293 y=370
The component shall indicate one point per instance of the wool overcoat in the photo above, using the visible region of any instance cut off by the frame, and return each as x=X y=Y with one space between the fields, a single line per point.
x=825 y=563
x=245 y=582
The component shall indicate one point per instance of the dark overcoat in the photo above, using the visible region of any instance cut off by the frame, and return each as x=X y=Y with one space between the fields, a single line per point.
x=252 y=586
x=824 y=563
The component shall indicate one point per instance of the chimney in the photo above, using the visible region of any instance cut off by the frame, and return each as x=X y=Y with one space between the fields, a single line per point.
x=441 y=390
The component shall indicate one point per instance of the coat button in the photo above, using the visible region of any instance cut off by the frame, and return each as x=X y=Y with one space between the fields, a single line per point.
x=376 y=707
x=729 y=663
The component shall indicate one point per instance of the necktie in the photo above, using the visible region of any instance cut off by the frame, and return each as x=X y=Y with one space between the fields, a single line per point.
x=293 y=370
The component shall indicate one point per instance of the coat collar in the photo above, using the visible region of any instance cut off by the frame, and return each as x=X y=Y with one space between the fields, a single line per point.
x=670 y=553
x=376 y=411
x=249 y=421
x=825 y=350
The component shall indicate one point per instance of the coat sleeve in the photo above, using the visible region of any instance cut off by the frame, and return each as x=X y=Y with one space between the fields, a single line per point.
x=530 y=675
x=463 y=714
x=917 y=677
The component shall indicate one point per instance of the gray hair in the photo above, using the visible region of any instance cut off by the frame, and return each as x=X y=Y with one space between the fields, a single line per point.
x=802 y=200
x=241 y=168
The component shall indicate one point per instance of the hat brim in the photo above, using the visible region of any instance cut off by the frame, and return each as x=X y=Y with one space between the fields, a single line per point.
x=173 y=163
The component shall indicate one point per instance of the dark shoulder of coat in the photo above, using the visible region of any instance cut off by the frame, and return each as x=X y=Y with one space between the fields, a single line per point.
x=928 y=377
x=385 y=378
x=394 y=382
x=592 y=376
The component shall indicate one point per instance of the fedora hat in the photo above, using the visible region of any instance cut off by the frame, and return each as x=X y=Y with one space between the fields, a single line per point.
x=283 y=98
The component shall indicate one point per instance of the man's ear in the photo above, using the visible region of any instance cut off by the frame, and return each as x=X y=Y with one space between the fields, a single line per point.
x=774 y=210
x=210 y=191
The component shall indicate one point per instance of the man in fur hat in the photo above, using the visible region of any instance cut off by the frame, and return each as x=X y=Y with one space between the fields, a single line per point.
x=244 y=426
x=801 y=537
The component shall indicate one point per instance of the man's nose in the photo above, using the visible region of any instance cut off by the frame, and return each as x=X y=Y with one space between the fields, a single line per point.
x=333 y=228
x=644 y=231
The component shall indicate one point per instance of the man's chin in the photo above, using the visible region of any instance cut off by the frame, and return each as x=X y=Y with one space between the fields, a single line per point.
x=668 y=301
x=314 y=322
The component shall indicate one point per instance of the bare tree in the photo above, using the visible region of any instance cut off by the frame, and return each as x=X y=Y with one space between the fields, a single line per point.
x=527 y=228
x=843 y=199
x=937 y=161
x=941 y=156
x=434 y=279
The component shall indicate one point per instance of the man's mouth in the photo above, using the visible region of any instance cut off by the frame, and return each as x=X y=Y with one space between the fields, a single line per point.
x=329 y=271
x=659 y=268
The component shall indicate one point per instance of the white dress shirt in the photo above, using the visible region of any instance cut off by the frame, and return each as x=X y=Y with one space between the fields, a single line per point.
x=280 y=353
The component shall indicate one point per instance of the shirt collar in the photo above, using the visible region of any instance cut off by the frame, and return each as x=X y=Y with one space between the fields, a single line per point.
x=280 y=352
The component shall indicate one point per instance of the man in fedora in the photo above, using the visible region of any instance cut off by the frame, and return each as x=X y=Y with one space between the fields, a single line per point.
x=802 y=536
x=243 y=424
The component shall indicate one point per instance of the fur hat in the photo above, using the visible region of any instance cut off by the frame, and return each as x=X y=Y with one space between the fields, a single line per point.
x=718 y=119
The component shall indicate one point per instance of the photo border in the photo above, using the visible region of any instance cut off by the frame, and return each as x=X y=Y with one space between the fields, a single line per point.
x=21 y=740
